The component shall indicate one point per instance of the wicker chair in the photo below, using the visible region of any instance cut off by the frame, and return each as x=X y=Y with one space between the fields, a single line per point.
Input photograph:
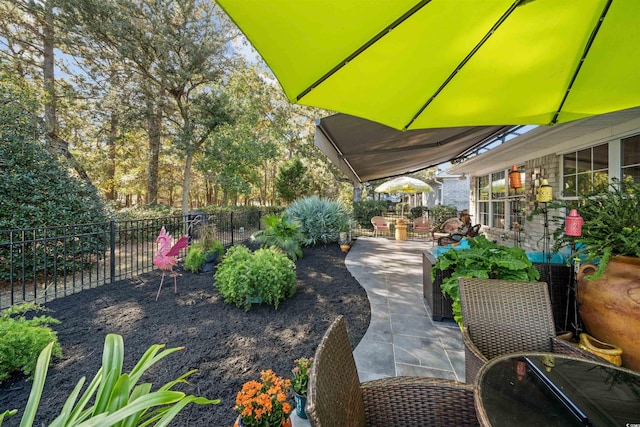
x=422 y=225
x=504 y=316
x=380 y=224
x=337 y=398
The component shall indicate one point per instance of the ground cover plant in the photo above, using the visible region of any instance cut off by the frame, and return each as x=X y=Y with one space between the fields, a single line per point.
x=227 y=345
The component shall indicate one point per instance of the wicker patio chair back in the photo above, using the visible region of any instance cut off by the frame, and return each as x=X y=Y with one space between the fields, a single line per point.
x=380 y=224
x=334 y=397
x=503 y=316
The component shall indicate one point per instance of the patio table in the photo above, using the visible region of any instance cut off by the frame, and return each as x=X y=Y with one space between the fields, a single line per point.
x=545 y=389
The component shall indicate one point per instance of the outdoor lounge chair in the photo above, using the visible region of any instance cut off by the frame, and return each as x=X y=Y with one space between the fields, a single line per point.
x=422 y=225
x=380 y=224
x=337 y=398
x=505 y=316
x=458 y=235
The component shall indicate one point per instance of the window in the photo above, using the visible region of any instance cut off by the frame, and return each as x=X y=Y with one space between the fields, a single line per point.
x=631 y=158
x=498 y=204
x=585 y=170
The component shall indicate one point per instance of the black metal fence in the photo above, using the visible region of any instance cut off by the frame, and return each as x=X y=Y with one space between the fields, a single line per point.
x=40 y=264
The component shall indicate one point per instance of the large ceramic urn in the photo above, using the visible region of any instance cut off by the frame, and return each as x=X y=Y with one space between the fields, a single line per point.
x=610 y=306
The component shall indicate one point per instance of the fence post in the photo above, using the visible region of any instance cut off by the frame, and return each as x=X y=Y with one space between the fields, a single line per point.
x=231 y=228
x=259 y=217
x=112 y=251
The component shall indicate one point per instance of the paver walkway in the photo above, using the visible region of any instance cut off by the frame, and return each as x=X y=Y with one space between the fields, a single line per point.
x=401 y=339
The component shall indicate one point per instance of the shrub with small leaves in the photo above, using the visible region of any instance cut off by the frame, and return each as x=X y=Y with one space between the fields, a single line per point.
x=22 y=339
x=244 y=278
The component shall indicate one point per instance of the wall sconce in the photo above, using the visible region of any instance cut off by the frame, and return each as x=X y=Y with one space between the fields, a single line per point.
x=573 y=224
x=515 y=179
x=545 y=192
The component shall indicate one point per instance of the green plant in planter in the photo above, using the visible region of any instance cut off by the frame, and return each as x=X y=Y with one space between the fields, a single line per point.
x=197 y=255
x=281 y=232
x=611 y=223
x=484 y=259
x=113 y=398
x=265 y=276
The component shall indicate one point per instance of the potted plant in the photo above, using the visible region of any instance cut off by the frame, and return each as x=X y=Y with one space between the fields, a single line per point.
x=203 y=253
x=483 y=259
x=300 y=382
x=608 y=293
x=263 y=403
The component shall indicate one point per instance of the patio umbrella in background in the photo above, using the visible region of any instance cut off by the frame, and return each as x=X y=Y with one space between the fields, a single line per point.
x=404 y=184
x=413 y=64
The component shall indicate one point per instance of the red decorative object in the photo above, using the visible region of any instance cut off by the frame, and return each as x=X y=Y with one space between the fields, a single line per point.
x=573 y=224
x=515 y=179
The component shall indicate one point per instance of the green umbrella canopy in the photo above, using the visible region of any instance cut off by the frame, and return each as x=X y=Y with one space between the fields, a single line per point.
x=414 y=64
x=404 y=184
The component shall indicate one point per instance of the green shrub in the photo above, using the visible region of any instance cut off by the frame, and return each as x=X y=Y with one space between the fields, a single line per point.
x=37 y=191
x=440 y=213
x=267 y=276
x=418 y=211
x=321 y=220
x=281 y=232
x=21 y=339
x=483 y=260
x=113 y=398
x=364 y=210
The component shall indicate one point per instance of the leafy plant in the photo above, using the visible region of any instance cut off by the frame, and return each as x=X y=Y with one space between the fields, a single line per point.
x=22 y=339
x=440 y=213
x=485 y=260
x=114 y=398
x=418 y=211
x=364 y=210
x=197 y=255
x=264 y=404
x=37 y=190
x=300 y=371
x=266 y=276
x=321 y=219
x=611 y=223
x=281 y=232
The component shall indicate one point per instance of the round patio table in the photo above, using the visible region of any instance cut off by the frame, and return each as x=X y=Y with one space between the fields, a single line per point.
x=547 y=389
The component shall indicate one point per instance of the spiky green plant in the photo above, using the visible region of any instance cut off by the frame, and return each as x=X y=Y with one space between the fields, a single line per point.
x=321 y=220
x=282 y=232
x=113 y=398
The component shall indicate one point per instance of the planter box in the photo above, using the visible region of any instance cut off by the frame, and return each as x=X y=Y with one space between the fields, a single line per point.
x=439 y=304
x=558 y=277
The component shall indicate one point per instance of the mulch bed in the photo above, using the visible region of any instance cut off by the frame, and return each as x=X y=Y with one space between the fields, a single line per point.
x=227 y=345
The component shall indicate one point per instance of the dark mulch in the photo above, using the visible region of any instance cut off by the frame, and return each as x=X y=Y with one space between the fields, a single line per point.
x=227 y=345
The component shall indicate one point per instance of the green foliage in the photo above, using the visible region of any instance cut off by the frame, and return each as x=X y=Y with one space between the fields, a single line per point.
x=291 y=180
x=418 y=211
x=611 y=223
x=364 y=210
x=321 y=220
x=21 y=339
x=440 y=213
x=38 y=191
x=484 y=260
x=268 y=275
x=114 y=398
x=282 y=232
x=402 y=208
x=199 y=252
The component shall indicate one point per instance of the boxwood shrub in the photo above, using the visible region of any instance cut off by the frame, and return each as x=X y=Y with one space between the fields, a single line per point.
x=265 y=276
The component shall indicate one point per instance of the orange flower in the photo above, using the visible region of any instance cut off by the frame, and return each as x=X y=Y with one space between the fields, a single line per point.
x=264 y=403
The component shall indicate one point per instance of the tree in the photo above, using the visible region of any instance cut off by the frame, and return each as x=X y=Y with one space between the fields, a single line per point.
x=291 y=181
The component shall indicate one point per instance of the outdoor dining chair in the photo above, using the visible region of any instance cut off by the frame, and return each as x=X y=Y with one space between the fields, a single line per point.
x=506 y=316
x=380 y=224
x=422 y=225
x=337 y=398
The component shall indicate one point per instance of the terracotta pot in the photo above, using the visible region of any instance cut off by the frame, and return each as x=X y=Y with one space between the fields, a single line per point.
x=345 y=248
x=610 y=306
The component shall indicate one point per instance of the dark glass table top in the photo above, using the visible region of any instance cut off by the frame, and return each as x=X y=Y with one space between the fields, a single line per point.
x=544 y=389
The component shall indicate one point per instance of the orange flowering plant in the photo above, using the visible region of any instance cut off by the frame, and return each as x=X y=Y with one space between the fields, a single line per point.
x=263 y=404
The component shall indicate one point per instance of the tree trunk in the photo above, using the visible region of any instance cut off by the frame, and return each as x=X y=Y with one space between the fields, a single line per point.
x=186 y=183
x=110 y=193
x=155 y=121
